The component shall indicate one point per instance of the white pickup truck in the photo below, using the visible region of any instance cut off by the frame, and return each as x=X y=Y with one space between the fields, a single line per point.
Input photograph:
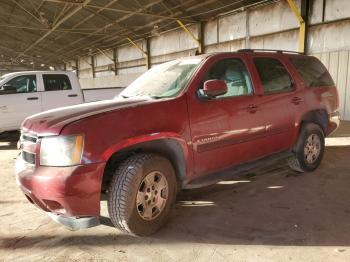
x=26 y=93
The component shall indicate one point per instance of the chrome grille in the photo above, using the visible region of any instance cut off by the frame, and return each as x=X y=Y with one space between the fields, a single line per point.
x=28 y=157
x=27 y=145
x=30 y=138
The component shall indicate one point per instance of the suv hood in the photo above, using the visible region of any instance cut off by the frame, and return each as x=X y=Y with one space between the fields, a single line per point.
x=52 y=122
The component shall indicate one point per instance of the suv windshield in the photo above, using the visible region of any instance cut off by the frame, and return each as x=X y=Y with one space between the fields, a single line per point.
x=165 y=80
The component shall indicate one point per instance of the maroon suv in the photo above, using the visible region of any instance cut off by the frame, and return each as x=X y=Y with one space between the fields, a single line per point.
x=180 y=125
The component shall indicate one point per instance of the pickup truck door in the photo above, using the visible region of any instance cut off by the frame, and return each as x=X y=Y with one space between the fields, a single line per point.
x=227 y=130
x=19 y=98
x=59 y=90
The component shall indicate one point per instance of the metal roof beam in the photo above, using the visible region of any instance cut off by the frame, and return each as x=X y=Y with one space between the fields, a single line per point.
x=119 y=10
x=55 y=27
x=87 y=18
x=107 y=26
x=117 y=34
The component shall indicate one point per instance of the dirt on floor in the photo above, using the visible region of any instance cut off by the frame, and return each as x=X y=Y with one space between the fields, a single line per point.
x=271 y=215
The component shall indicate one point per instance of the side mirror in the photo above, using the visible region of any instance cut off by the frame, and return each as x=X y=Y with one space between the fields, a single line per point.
x=214 y=88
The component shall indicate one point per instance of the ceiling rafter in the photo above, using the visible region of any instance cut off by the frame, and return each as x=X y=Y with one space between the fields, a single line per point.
x=109 y=25
x=28 y=12
x=88 y=18
x=55 y=27
x=52 y=30
x=111 y=38
x=126 y=11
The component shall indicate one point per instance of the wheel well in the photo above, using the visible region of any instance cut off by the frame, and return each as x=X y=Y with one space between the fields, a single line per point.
x=319 y=117
x=168 y=148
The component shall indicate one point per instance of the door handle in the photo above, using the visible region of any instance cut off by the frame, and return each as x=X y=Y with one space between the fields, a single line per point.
x=296 y=100
x=252 y=108
x=72 y=95
x=33 y=98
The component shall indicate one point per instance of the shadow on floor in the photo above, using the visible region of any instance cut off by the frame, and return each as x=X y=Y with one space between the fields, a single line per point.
x=8 y=145
x=8 y=140
x=275 y=206
x=343 y=130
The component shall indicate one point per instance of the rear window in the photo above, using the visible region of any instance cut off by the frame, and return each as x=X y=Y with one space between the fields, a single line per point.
x=55 y=82
x=312 y=71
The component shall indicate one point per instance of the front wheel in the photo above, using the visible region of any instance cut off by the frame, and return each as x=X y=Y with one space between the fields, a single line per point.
x=141 y=194
x=308 y=152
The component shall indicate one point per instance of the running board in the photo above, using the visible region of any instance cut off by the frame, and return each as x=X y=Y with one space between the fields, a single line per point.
x=232 y=172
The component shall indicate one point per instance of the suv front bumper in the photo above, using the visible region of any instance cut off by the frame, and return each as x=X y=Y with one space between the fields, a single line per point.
x=70 y=194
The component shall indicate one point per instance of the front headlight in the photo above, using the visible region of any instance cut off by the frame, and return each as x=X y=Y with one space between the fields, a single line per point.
x=61 y=150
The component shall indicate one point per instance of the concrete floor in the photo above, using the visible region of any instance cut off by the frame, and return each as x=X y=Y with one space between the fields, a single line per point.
x=275 y=214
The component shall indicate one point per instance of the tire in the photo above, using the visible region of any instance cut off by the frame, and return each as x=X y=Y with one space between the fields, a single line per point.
x=308 y=156
x=130 y=185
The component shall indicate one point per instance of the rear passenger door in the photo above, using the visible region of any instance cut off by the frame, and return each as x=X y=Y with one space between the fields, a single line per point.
x=278 y=103
x=58 y=91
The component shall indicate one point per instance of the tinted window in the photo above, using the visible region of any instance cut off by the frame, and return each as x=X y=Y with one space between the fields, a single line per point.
x=312 y=71
x=273 y=75
x=235 y=75
x=19 y=84
x=56 y=82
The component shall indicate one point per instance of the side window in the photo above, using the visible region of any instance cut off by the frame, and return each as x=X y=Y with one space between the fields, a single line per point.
x=312 y=71
x=235 y=74
x=273 y=75
x=54 y=82
x=19 y=84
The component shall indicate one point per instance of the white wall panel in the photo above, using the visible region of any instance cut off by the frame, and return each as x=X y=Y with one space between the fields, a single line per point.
x=338 y=65
x=329 y=37
x=316 y=12
x=232 y=27
x=104 y=59
x=284 y=41
x=130 y=52
x=337 y=9
x=343 y=60
x=108 y=81
x=272 y=18
x=173 y=41
x=211 y=32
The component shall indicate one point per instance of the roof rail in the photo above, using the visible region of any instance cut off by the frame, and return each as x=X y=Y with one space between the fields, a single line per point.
x=268 y=50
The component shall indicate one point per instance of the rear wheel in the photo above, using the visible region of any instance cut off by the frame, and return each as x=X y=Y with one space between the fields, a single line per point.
x=141 y=194
x=308 y=152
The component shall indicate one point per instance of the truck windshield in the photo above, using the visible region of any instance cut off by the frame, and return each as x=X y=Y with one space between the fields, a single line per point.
x=165 y=80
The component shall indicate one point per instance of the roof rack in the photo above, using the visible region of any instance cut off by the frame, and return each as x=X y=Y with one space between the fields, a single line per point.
x=268 y=50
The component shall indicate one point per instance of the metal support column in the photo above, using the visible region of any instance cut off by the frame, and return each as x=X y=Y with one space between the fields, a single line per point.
x=148 y=52
x=115 y=60
x=302 y=18
x=198 y=41
x=77 y=67
x=145 y=53
x=93 y=66
x=247 y=33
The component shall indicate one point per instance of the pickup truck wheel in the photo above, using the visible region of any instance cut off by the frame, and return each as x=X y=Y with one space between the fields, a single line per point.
x=308 y=151
x=141 y=194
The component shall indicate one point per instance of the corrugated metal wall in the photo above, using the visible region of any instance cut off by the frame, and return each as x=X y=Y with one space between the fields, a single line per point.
x=338 y=64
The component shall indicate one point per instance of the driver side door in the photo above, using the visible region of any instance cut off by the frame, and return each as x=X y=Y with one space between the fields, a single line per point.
x=227 y=130
x=19 y=98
